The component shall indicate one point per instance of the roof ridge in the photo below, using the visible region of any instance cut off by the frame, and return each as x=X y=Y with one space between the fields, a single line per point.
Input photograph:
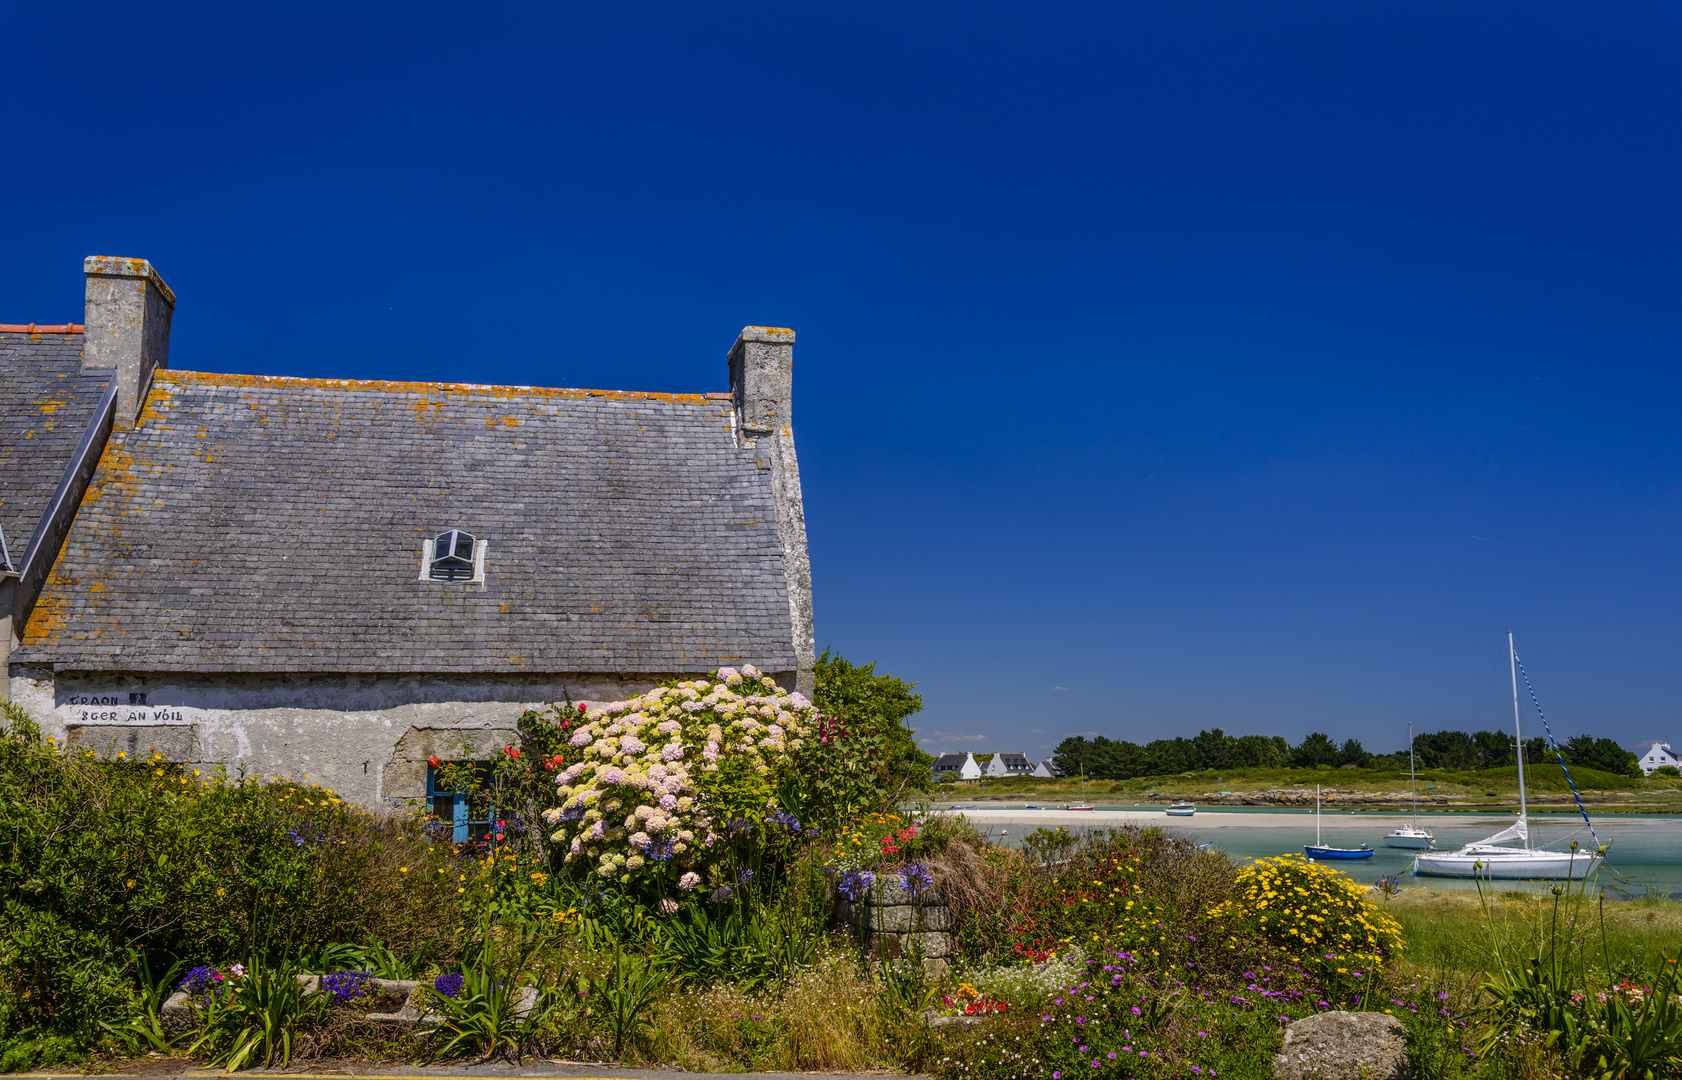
x=398 y=386
x=32 y=328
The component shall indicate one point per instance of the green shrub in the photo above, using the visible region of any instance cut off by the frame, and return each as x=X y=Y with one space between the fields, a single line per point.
x=105 y=858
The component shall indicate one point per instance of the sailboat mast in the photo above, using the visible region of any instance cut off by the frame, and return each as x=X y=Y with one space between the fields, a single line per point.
x=1518 y=733
x=1413 y=777
x=1317 y=815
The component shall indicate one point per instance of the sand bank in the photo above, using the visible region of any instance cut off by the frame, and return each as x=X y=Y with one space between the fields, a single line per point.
x=1140 y=815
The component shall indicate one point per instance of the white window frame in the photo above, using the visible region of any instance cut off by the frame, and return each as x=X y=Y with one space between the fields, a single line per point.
x=427 y=555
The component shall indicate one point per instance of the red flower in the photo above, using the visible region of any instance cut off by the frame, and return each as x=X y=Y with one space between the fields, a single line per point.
x=432 y=761
x=582 y=707
x=499 y=838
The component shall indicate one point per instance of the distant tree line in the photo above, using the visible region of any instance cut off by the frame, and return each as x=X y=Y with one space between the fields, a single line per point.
x=1119 y=759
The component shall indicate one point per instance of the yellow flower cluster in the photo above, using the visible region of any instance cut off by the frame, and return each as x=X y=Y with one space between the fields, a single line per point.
x=1318 y=915
x=860 y=845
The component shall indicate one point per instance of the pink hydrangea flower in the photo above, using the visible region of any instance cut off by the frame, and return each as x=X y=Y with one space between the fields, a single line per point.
x=689 y=881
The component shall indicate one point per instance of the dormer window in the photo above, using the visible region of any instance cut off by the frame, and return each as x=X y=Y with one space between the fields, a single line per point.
x=453 y=556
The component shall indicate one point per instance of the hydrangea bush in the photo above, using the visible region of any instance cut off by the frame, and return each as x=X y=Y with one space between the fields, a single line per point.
x=670 y=779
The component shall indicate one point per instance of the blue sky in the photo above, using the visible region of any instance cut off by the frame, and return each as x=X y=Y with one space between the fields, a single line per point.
x=1160 y=366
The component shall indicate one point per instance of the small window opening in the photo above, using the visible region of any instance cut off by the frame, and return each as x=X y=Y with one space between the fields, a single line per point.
x=468 y=819
x=453 y=556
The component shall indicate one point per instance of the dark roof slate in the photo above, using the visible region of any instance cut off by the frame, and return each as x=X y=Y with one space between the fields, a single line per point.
x=45 y=404
x=273 y=524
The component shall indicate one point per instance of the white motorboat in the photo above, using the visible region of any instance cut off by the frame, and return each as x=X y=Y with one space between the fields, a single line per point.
x=1487 y=859
x=1182 y=809
x=1411 y=836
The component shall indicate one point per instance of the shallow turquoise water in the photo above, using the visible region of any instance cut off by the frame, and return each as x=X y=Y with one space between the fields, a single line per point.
x=1644 y=851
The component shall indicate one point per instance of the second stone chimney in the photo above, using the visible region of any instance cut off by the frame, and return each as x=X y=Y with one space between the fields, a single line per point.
x=127 y=315
x=762 y=379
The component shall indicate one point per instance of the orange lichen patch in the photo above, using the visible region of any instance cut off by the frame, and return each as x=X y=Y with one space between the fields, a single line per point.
x=50 y=407
x=32 y=328
x=506 y=421
x=423 y=389
x=725 y=396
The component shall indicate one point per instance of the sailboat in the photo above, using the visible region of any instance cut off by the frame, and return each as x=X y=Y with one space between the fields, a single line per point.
x=1486 y=858
x=1411 y=836
x=1318 y=850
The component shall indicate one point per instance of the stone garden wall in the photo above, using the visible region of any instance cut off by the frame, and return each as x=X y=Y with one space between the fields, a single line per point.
x=889 y=922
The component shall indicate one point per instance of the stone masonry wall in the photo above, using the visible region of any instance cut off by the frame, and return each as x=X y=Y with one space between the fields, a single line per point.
x=367 y=737
x=890 y=923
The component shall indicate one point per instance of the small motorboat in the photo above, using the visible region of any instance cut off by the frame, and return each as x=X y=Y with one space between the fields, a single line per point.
x=1030 y=806
x=1079 y=806
x=1182 y=809
x=1318 y=850
x=1409 y=837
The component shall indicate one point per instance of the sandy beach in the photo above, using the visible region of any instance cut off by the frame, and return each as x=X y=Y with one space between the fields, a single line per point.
x=1154 y=815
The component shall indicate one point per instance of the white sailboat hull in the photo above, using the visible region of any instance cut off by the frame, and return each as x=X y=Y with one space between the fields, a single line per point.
x=1420 y=841
x=1507 y=864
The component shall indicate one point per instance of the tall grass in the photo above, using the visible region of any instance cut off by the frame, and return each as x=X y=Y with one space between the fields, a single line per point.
x=1453 y=938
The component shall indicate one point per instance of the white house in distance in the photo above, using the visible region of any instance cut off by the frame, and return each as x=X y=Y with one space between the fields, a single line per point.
x=958 y=766
x=1008 y=765
x=1044 y=770
x=1657 y=756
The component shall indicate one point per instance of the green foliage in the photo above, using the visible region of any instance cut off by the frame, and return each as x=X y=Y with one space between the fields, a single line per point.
x=485 y=1015
x=1315 y=750
x=1621 y=1031
x=252 y=1021
x=142 y=1030
x=877 y=706
x=103 y=859
x=1603 y=754
x=1668 y=770
x=627 y=993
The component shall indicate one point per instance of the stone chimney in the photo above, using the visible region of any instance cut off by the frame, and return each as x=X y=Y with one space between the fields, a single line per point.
x=128 y=312
x=762 y=383
x=762 y=379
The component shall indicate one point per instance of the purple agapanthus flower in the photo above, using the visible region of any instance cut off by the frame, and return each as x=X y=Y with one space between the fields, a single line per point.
x=202 y=981
x=915 y=879
x=346 y=985
x=449 y=985
x=855 y=885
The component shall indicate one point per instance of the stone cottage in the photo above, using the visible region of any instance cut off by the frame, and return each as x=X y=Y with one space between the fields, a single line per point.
x=343 y=578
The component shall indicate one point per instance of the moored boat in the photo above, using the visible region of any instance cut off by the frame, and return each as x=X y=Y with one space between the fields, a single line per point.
x=1411 y=836
x=1319 y=850
x=1486 y=858
x=1182 y=809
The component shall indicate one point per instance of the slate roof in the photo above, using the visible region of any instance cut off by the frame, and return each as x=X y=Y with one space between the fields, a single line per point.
x=45 y=403
x=276 y=524
x=949 y=761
